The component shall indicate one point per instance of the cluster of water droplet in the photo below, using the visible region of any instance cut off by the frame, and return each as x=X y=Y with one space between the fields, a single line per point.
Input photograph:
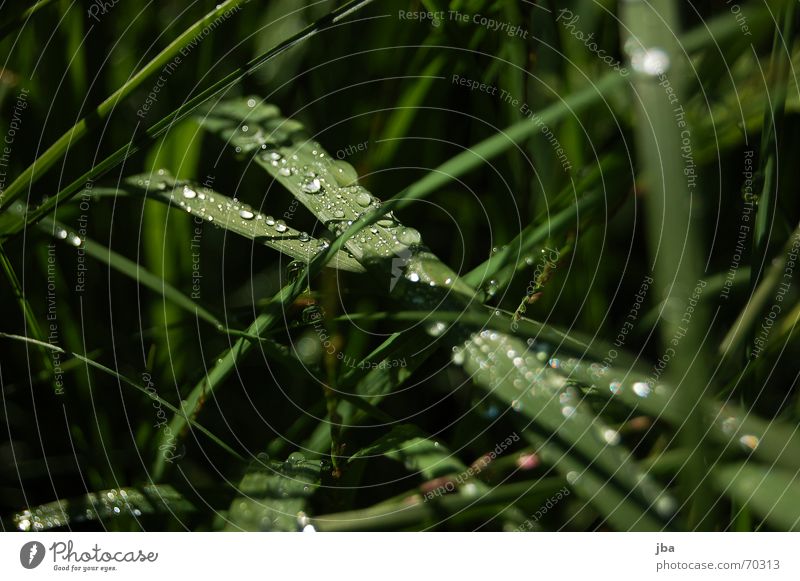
x=95 y=506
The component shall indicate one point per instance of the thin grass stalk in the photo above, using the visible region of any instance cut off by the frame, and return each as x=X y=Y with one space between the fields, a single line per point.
x=162 y=126
x=25 y=181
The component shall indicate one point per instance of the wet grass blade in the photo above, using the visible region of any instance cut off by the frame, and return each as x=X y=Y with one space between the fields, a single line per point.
x=273 y=495
x=132 y=503
x=415 y=277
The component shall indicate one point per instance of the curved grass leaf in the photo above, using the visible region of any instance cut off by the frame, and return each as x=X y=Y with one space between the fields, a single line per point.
x=237 y=217
x=132 y=270
x=501 y=364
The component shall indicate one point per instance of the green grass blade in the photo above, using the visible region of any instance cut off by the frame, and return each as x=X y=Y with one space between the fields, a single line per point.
x=237 y=217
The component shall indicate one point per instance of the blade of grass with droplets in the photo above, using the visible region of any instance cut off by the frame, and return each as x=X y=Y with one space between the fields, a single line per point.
x=272 y=496
x=665 y=146
x=237 y=217
x=223 y=212
x=774 y=441
x=282 y=147
x=414 y=276
x=159 y=128
x=134 y=503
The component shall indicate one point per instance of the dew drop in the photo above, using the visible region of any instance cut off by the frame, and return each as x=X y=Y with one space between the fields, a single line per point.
x=436 y=329
x=344 y=173
x=280 y=226
x=611 y=437
x=246 y=214
x=409 y=236
x=363 y=199
x=641 y=389
x=303 y=237
x=189 y=193
x=386 y=222
x=312 y=186
x=652 y=62
x=296 y=458
x=269 y=220
x=749 y=441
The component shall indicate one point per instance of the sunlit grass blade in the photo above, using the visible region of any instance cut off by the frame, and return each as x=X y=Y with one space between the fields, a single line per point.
x=237 y=217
